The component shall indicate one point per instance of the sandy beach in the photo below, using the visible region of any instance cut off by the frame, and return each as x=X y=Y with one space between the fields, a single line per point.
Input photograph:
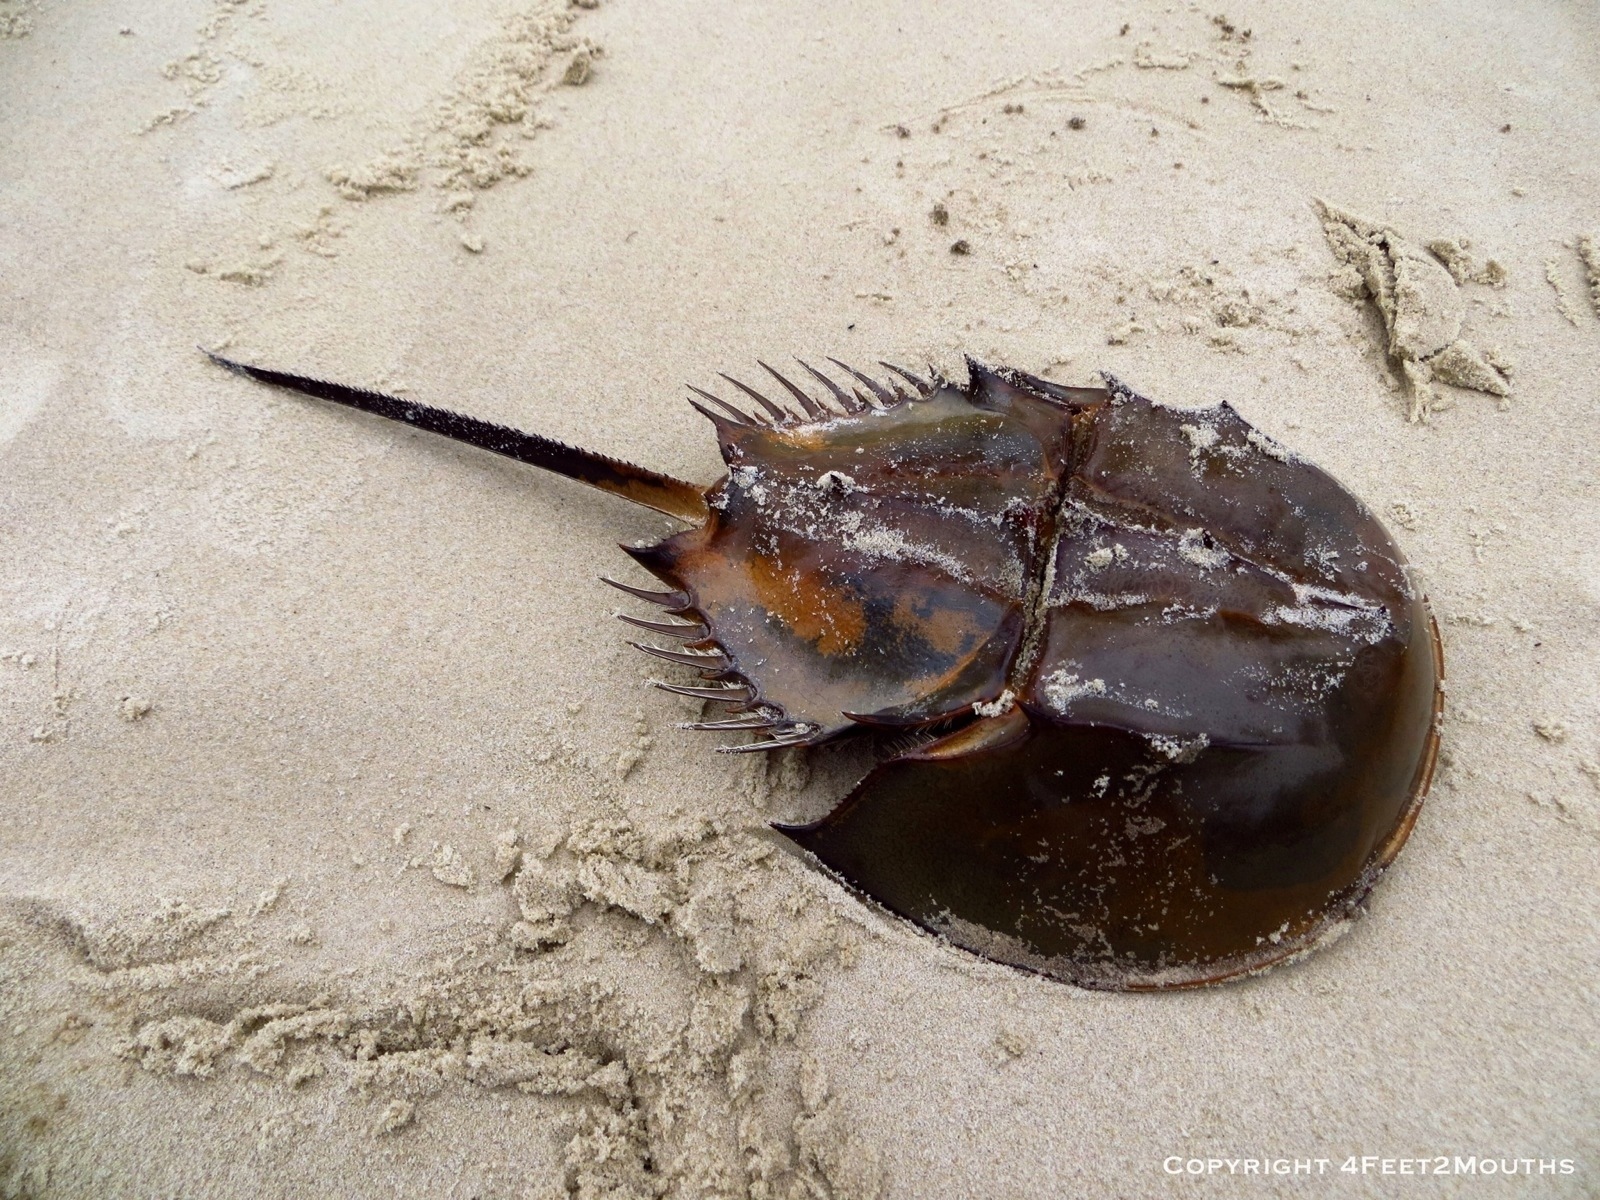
x=347 y=850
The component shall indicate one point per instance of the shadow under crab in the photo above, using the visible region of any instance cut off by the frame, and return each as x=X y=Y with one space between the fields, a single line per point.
x=1178 y=696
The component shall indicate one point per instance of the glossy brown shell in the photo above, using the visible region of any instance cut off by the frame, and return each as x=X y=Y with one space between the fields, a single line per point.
x=1185 y=693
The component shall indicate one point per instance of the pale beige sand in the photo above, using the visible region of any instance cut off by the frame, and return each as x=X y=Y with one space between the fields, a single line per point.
x=280 y=682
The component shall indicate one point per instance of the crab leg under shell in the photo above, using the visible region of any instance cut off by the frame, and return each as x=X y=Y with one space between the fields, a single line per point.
x=1182 y=696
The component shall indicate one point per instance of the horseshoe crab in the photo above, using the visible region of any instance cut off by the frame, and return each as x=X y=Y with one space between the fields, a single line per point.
x=1178 y=698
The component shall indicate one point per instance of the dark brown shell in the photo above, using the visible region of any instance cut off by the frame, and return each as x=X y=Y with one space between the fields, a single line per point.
x=1187 y=692
x=1177 y=697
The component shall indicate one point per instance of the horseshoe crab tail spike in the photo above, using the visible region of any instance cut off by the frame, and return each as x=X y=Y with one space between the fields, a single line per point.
x=705 y=662
x=675 y=497
x=806 y=401
x=872 y=385
x=729 y=695
x=755 y=722
x=694 y=632
x=844 y=398
x=738 y=414
x=671 y=601
x=924 y=388
x=777 y=413
x=798 y=736
x=717 y=420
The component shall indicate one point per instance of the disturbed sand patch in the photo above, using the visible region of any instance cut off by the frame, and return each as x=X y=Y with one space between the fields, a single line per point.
x=687 y=1079
x=1417 y=295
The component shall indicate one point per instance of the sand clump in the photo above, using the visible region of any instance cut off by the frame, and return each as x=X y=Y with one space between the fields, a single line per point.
x=16 y=19
x=1564 y=305
x=1455 y=255
x=385 y=173
x=1589 y=254
x=1417 y=295
x=469 y=139
x=469 y=143
x=255 y=270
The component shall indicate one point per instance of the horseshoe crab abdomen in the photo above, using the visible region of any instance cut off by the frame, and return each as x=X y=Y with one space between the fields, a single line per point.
x=1220 y=742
